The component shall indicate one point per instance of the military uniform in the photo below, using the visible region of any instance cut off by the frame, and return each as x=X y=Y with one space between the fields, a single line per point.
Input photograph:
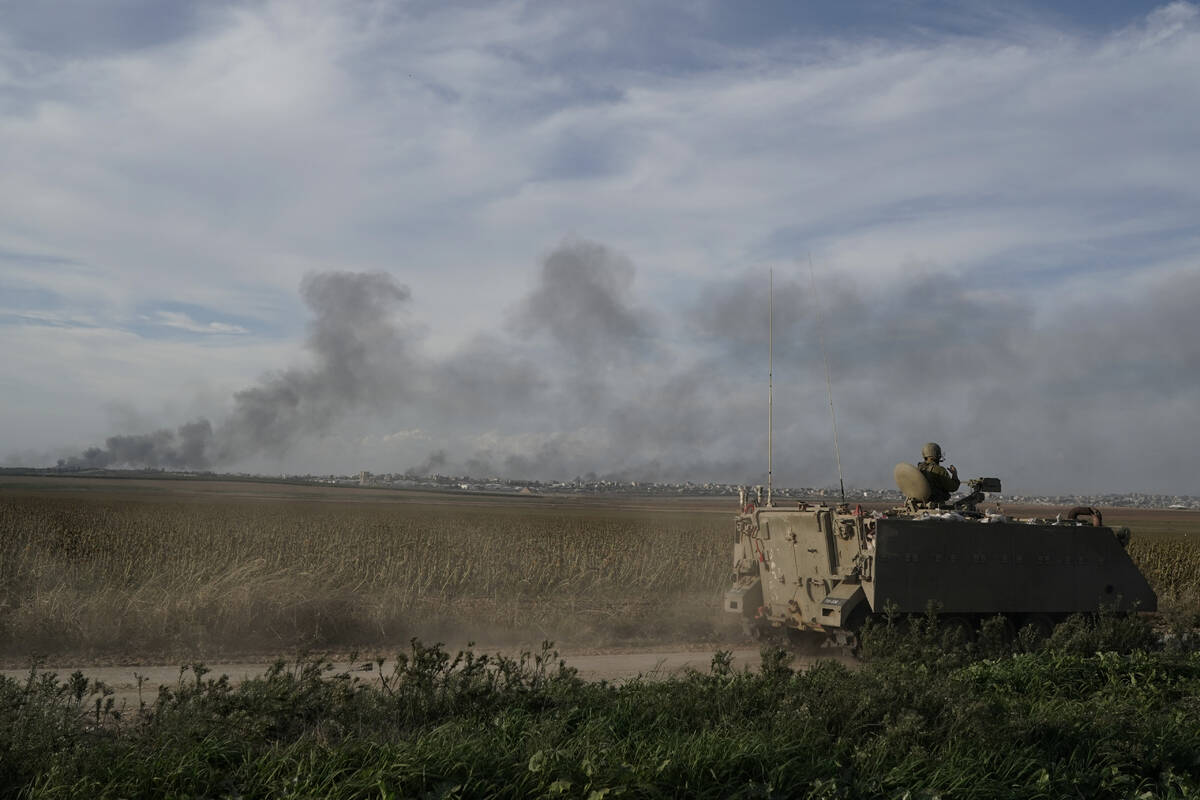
x=940 y=481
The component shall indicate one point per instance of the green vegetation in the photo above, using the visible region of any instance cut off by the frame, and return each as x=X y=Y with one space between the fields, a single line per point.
x=930 y=719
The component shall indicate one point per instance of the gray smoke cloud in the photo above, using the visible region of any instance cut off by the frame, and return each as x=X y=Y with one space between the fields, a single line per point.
x=186 y=447
x=1051 y=393
x=434 y=464
x=1081 y=390
x=583 y=303
x=360 y=353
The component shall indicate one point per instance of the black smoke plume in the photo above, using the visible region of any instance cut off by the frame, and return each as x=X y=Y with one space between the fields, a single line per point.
x=360 y=354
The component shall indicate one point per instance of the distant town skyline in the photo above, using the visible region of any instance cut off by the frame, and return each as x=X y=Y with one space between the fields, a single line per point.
x=596 y=485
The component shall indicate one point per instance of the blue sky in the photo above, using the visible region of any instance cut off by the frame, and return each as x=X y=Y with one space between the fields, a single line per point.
x=581 y=202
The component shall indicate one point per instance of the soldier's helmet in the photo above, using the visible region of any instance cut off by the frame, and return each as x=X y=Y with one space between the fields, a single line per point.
x=932 y=450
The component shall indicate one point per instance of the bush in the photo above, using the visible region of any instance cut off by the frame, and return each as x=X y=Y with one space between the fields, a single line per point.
x=1046 y=723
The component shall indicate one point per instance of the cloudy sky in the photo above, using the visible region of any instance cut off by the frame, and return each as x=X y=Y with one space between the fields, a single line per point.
x=534 y=239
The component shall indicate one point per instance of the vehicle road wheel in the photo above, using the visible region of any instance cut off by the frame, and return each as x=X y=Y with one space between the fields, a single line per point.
x=806 y=642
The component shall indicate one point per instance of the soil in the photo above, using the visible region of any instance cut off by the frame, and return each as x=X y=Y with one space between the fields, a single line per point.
x=596 y=665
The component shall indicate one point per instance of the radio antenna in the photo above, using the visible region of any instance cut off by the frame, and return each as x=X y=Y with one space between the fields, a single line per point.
x=770 y=378
x=828 y=382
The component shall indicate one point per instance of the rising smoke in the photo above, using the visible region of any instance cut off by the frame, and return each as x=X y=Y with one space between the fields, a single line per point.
x=359 y=352
x=582 y=303
x=584 y=379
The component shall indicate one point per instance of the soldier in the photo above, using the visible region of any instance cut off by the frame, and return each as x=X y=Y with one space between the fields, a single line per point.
x=942 y=481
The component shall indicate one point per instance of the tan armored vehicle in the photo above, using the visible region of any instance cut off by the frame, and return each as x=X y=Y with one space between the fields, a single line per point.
x=819 y=570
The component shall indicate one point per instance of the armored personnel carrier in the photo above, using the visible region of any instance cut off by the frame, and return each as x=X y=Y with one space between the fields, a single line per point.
x=815 y=570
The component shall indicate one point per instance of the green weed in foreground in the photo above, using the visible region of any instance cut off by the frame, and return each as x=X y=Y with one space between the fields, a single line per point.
x=1046 y=723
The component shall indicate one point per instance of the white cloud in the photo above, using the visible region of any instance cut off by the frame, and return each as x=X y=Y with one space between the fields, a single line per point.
x=183 y=322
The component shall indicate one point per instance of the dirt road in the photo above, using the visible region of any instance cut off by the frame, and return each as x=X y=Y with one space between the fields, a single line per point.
x=611 y=666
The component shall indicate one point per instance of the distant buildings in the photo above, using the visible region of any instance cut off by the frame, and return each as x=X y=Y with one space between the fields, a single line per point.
x=593 y=485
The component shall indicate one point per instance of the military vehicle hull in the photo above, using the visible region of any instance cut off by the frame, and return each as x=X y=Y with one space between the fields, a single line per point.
x=817 y=568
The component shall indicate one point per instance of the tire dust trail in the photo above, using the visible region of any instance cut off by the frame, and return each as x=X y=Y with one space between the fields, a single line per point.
x=627 y=664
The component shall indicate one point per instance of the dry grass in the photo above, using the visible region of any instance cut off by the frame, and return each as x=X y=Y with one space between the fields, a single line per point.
x=126 y=572
x=171 y=568
x=1166 y=547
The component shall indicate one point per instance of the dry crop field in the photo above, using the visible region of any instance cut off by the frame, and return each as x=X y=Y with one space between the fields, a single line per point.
x=107 y=568
x=143 y=568
x=1166 y=547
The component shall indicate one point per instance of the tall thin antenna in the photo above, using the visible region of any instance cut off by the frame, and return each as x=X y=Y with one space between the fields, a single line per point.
x=770 y=379
x=828 y=382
